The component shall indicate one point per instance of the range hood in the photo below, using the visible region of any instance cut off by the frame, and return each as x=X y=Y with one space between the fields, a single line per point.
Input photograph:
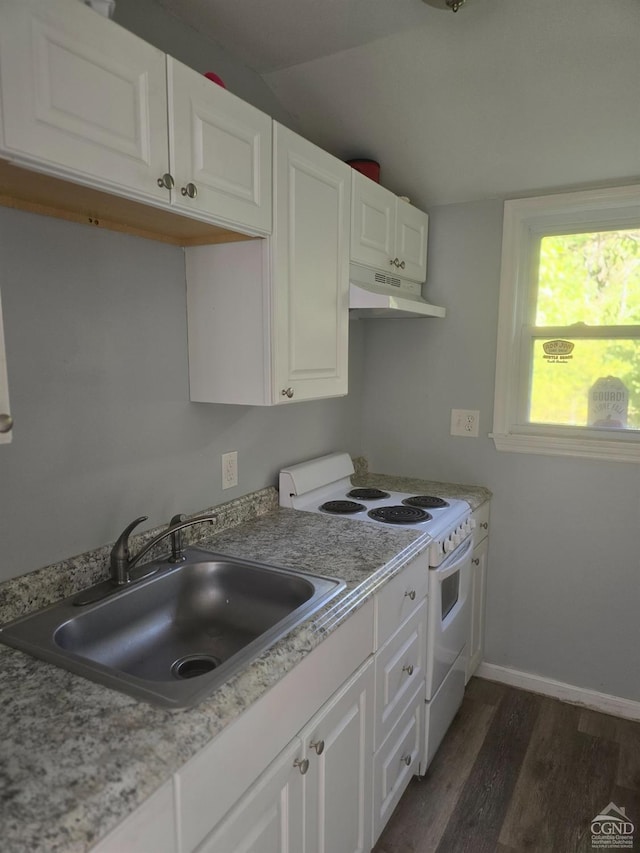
x=375 y=295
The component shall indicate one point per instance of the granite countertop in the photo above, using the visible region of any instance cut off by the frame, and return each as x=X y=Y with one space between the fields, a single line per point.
x=76 y=758
x=475 y=496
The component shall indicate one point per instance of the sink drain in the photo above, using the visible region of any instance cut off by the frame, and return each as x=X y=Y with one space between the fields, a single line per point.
x=192 y=666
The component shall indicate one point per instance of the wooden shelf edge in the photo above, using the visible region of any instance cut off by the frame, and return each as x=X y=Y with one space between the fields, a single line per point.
x=33 y=192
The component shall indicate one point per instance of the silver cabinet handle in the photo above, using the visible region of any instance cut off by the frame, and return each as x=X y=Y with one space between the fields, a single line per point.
x=302 y=764
x=287 y=392
x=166 y=181
x=411 y=594
x=6 y=423
x=406 y=759
x=191 y=190
x=318 y=745
x=402 y=265
x=408 y=669
x=476 y=561
x=484 y=525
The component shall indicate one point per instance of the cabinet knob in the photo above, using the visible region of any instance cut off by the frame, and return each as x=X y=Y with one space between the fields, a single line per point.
x=408 y=669
x=476 y=561
x=302 y=764
x=166 y=181
x=318 y=745
x=402 y=265
x=406 y=759
x=6 y=423
x=191 y=190
x=287 y=392
x=484 y=525
x=411 y=594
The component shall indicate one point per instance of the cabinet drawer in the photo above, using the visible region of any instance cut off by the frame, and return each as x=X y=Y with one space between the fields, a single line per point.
x=397 y=761
x=400 y=667
x=481 y=516
x=400 y=597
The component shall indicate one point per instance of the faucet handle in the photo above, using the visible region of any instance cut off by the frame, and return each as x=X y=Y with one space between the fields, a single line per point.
x=120 y=553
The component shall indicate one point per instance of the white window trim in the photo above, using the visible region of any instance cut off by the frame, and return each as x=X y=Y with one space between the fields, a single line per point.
x=525 y=220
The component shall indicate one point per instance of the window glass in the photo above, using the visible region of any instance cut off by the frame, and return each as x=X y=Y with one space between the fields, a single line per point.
x=586 y=382
x=591 y=278
x=587 y=280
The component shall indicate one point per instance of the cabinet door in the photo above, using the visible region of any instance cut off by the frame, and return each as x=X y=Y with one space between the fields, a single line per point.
x=269 y=818
x=338 y=785
x=83 y=98
x=220 y=152
x=310 y=270
x=411 y=241
x=373 y=224
x=478 y=602
x=5 y=415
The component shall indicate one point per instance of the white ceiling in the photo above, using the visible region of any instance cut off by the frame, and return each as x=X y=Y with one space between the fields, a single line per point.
x=503 y=98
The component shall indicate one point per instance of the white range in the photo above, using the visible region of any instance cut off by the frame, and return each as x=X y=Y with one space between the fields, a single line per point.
x=323 y=485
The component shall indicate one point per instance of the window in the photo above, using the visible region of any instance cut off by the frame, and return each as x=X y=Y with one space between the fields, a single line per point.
x=568 y=363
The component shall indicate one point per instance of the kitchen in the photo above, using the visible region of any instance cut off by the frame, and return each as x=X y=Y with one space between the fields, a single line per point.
x=96 y=346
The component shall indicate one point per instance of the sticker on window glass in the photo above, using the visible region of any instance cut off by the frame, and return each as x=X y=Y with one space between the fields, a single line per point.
x=608 y=403
x=557 y=352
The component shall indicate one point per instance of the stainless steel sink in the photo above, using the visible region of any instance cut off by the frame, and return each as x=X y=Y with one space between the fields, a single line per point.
x=174 y=637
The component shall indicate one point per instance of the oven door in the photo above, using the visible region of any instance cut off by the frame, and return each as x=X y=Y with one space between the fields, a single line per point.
x=449 y=614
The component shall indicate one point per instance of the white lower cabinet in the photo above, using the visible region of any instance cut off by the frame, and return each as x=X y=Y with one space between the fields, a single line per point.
x=478 y=587
x=316 y=795
x=400 y=691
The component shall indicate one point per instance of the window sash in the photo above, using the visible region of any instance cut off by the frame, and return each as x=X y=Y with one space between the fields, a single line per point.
x=526 y=222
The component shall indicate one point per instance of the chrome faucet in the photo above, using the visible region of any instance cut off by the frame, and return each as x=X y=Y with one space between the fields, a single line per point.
x=121 y=563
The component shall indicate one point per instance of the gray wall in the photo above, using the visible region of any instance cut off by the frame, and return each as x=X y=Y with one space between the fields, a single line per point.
x=96 y=338
x=564 y=579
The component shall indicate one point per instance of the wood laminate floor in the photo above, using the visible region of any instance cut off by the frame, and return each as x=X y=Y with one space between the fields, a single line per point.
x=519 y=772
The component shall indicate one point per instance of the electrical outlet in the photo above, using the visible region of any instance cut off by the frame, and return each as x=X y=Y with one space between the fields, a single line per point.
x=230 y=470
x=465 y=422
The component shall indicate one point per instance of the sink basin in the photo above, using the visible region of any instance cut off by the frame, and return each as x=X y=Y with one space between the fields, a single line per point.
x=174 y=637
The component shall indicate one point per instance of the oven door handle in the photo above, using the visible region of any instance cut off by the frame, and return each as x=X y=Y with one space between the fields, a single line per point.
x=461 y=554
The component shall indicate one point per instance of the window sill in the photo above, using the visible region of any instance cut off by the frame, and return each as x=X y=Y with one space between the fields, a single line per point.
x=612 y=451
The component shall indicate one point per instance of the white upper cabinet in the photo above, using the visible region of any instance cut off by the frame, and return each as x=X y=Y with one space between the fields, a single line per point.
x=412 y=226
x=310 y=257
x=5 y=416
x=85 y=100
x=268 y=319
x=387 y=233
x=220 y=151
x=82 y=97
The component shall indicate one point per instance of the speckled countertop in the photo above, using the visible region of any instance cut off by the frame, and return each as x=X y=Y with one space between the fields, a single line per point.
x=76 y=758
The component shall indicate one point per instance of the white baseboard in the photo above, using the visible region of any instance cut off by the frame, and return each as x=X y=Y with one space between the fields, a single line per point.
x=603 y=702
